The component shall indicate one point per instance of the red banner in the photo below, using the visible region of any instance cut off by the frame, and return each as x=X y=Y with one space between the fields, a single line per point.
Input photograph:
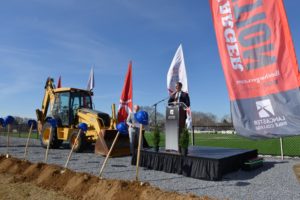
x=59 y=82
x=125 y=106
x=255 y=46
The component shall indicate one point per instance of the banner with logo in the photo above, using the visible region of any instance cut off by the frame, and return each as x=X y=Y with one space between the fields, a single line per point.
x=125 y=106
x=260 y=66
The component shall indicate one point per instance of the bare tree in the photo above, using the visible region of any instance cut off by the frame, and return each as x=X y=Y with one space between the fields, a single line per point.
x=160 y=118
x=204 y=119
x=226 y=120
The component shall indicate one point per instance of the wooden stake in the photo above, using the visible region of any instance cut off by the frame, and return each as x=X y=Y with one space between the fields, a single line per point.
x=138 y=153
x=72 y=149
x=27 y=142
x=108 y=154
x=48 y=146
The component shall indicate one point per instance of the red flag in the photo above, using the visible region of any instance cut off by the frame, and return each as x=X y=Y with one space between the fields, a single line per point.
x=59 y=82
x=125 y=106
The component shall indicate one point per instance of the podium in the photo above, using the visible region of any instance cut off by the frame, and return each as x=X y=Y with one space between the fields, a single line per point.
x=175 y=122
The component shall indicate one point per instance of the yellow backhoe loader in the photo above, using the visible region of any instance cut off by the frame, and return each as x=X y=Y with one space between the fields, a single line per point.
x=71 y=106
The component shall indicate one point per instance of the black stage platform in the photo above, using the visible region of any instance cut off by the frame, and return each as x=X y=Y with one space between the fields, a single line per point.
x=209 y=163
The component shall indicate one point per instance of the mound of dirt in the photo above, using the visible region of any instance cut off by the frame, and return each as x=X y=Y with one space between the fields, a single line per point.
x=81 y=185
x=11 y=190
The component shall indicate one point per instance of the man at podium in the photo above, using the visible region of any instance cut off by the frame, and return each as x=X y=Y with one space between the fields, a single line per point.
x=179 y=96
x=176 y=117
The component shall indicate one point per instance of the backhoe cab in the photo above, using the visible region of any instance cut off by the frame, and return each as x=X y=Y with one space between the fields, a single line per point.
x=71 y=106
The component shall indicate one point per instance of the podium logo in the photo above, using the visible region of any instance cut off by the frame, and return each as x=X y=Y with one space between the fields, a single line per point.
x=264 y=108
x=172 y=112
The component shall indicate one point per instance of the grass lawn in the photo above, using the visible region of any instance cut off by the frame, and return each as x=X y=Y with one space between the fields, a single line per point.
x=291 y=145
x=33 y=135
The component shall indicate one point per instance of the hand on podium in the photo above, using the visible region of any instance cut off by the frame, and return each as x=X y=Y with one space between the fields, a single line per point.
x=174 y=103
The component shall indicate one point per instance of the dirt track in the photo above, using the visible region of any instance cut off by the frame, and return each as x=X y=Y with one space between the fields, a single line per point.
x=25 y=180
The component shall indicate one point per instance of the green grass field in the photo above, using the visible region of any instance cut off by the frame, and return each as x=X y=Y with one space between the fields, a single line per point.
x=34 y=135
x=291 y=145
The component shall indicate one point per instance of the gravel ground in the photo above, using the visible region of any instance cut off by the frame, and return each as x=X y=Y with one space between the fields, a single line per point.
x=275 y=180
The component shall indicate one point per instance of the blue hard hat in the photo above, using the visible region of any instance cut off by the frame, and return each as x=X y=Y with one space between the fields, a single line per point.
x=2 y=122
x=122 y=128
x=52 y=121
x=9 y=119
x=32 y=123
x=141 y=117
x=83 y=126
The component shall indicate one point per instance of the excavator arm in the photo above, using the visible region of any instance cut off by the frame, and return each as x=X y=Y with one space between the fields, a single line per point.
x=48 y=99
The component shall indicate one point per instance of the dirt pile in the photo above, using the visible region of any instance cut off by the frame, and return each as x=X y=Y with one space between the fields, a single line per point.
x=82 y=185
x=11 y=190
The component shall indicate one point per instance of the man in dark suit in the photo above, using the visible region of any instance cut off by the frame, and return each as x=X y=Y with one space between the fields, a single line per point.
x=179 y=96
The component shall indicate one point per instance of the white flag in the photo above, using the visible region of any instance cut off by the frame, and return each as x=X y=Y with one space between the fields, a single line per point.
x=91 y=82
x=177 y=73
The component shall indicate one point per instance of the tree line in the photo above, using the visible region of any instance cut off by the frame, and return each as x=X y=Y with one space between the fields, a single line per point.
x=198 y=118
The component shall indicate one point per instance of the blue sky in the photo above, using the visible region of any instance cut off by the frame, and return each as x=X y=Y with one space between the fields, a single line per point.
x=40 y=38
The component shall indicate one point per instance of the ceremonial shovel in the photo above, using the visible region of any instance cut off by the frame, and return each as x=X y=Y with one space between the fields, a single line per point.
x=32 y=124
x=122 y=128
x=8 y=121
x=142 y=118
x=53 y=125
x=82 y=127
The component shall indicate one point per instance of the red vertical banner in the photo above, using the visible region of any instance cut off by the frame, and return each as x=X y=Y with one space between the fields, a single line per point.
x=255 y=46
x=125 y=106
x=259 y=63
x=59 y=82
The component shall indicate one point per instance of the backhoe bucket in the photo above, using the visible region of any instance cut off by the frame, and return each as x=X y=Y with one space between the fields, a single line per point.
x=105 y=140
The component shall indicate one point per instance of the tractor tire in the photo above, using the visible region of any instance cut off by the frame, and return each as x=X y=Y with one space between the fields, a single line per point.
x=44 y=137
x=81 y=142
